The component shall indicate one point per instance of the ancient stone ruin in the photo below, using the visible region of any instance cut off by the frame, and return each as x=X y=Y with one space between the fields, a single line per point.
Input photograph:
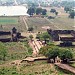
x=10 y=36
x=65 y=36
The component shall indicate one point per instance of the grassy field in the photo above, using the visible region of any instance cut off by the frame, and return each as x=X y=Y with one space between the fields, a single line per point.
x=73 y=64
x=8 y=20
x=57 y=23
x=20 y=50
x=7 y=23
x=37 y=68
x=61 y=21
x=37 y=23
x=17 y=51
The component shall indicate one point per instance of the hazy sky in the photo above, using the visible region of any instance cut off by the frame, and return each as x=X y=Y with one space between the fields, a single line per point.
x=40 y=0
x=48 y=0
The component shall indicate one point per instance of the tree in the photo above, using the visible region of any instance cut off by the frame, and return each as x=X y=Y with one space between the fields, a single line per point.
x=33 y=5
x=67 y=9
x=44 y=50
x=30 y=29
x=31 y=37
x=3 y=51
x=45 y=36
x=38 y=36
x=53 y=10
x=67 y=3
x=38 y=11
x=56 y=13
x=51 y=17
x=44 y=11
x=52 y=51
x=65 y=55
x=31 y=11
x=72 y=14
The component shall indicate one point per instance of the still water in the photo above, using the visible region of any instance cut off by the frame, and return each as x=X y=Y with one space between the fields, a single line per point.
x=13 y=10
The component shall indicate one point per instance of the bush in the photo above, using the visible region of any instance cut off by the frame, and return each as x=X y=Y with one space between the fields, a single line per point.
x=53 y=10
x=51 y=17
x=72 y=14
x=30 y=29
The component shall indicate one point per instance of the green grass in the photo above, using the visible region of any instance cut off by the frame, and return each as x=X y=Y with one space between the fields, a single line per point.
x=73 y=64
x=61 y=21
x=9 y=71
x=37 y=23
x=8 y=20
x=37 y=68
x=17 y=51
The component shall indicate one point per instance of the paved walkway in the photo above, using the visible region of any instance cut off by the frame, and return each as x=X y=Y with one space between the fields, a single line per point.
x=35 y=58
x=36 y=45
x=66 y=67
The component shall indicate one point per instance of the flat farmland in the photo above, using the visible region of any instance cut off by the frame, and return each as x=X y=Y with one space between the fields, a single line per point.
x=8 y=20
x=22 y=23
x=62 y=20
x=63 y=23
x=40 y=24
x=37 y=23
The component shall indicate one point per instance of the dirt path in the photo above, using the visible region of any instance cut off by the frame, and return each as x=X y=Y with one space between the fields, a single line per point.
x=24 y=19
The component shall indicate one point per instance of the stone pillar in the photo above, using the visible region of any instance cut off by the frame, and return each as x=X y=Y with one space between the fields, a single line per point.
x=14 y=34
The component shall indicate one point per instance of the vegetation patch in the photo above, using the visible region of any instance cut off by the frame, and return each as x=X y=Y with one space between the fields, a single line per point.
x=14 y=51
x=8 y=20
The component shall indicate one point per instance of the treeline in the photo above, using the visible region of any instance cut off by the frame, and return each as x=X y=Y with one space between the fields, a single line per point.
x=38 y=11
x=52 y=52
x=63 y=4
x=70 y=11
x=69 y=4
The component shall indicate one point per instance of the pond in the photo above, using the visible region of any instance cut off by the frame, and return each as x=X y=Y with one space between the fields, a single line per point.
x=13 y=10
